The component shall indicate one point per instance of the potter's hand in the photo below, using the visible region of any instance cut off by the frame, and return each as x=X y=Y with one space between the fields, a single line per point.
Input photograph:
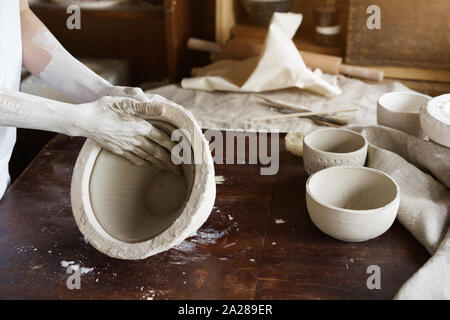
x=116 y=124
x=127 y=92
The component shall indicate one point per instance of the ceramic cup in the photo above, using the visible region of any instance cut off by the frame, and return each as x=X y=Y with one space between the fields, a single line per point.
x=400 y=110
x=331 y=147
x=352 y=203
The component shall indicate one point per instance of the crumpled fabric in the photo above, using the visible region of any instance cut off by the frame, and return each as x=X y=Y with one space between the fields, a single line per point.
x=422 y=171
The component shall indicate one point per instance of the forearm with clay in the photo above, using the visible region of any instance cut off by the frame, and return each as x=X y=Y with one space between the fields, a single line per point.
x=31 y=112
x=108 y=113
x=113 y=122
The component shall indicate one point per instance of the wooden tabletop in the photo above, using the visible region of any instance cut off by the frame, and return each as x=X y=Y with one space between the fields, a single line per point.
x=241 y=252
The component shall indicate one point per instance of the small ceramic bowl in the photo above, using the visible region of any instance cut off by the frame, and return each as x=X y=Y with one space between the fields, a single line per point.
x=435 y=119
x=400 y=110
x=331 y=147
x=352 y=203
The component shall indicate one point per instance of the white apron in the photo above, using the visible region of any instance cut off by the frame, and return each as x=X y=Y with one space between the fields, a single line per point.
x=10 y=70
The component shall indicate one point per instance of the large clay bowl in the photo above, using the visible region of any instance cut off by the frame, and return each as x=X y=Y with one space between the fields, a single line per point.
x=131 y=212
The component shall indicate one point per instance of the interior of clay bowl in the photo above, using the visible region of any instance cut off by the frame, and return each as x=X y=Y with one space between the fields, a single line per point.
x=405 y=102
x=134 y=204
x=352 y=188
x=335 y=141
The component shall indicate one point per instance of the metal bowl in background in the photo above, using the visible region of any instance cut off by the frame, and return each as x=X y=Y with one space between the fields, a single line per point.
x=261 y=11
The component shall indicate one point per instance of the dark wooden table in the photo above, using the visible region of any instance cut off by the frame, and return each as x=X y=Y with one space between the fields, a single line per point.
x=239 y=253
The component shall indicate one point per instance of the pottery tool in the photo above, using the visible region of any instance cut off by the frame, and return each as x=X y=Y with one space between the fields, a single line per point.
x=301 y=115
x=322 y=121
x=240 y=48
x=287 y=108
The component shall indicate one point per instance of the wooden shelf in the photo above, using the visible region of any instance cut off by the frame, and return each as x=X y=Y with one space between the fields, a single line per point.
x=233 y=21
x=133 y=32
x=303 y=40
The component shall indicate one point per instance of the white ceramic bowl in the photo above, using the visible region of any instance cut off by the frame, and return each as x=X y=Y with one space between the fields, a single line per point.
x=352 y=203
x=400 y=110
x=435 y=119
x=331 y=147
x=131 y=212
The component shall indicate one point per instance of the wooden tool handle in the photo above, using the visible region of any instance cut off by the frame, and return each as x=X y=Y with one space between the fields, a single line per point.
x=238 y=48
x=326 y=63
x=362 y=73
x=203 y=45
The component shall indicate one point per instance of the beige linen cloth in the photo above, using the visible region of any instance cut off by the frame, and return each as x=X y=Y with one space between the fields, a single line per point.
x=422 y=171
x=279 y=66
x=421 y=168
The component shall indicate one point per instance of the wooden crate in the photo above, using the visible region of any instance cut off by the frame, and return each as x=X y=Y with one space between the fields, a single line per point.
x=413 y=34
x=232 y=20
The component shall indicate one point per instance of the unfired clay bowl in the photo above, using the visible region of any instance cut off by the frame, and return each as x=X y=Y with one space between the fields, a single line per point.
x=400 y=110
x=352 y=203
x=435 y=120
x=331 y=147
x=131 y=212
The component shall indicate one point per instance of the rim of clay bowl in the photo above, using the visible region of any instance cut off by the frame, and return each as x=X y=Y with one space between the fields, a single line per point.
x=362 y=211
x=436 y=99
x=409 y=93
x=432 y=100
x=190 y=219
x=366 y=144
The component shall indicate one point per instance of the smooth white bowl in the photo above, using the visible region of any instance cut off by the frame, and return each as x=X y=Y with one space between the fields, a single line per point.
x=352 y=203
x=400 y=110
x=436 y=126
x=331 y=147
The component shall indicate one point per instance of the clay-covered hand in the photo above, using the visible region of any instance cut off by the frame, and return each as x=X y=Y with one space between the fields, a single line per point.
x=136 y=93
x=117 y=124
x=127 y=92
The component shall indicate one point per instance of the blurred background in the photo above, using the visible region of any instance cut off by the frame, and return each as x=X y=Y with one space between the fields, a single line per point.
x=143 y=42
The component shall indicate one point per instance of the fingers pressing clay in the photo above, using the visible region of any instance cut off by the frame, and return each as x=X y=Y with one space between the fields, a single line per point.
x=114 y=124
x=135 y=160
x=132 y=106
x=129 y=92
x=148 y=158
x=150 y=109
x=159 y=136
x=159 y=153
